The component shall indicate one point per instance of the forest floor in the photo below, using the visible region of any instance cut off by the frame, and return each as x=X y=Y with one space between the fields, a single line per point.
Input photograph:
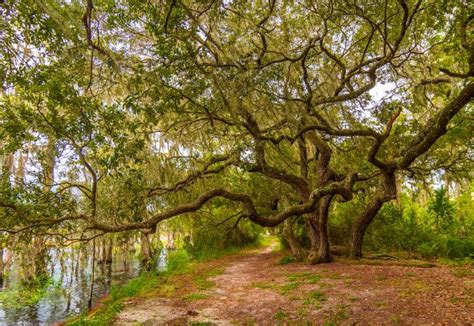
x=254 y=287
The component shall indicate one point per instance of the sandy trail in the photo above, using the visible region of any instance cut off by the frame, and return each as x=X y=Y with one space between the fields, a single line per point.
x=255 y=289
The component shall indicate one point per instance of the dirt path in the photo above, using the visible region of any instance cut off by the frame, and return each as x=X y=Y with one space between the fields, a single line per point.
x=255 y=289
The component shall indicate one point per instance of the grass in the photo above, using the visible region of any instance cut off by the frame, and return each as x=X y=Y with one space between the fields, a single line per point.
x=262 y=285
x=270 y=240
x=315 y=298
x=461 y=272
x=304 y=277
x=163 y=284
x=167 y=290
x=302 y=312
x=313 y=279
x=195 y=296
x=297 y=279
x=287 y=288
x=414 y=288
x=287 y=260
x=341 y=314
x=395 y=319
x=178 y=262
x=354 y=299
x=202 y=281
x=281 y=315
x=297 y=276
x=467 y=261
x=402 y=263
x=106 y=312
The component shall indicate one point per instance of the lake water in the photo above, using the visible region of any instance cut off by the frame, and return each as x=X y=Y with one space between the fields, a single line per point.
x=67 y=292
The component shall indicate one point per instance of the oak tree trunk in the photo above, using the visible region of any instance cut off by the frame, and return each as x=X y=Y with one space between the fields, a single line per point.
x=313 y=231
x=389 y=192
x=145 y=248
x=324 y=246
x=361 y=225
x=295 y=247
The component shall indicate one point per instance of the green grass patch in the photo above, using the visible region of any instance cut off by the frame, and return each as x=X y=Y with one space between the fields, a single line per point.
x=461 y=272
x=315 y=298
x=287 y=288
x=113 y=305
x=270 y=240
x=354 y=299
x=395 y=319
x=298 y=276
x=195 y=296
x=203 y=283
x=262 y=285
x=467 y=261
x=287 y=260
x=281 y=315
x=178 y=262
x=341 y=314
x=329 y=323
x=215 y=271
x=313 y=279
x=167 y=290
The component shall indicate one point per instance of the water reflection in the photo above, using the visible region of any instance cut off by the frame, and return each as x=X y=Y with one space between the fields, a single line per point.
x=67 y=292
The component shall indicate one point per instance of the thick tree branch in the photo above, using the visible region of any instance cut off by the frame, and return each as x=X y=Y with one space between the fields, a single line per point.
x=435 y=128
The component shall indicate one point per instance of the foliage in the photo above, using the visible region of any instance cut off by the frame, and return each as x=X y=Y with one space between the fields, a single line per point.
x=442 y=228
x=28 y=294
x=442 y=209
x=209 y=241
x=177 y=261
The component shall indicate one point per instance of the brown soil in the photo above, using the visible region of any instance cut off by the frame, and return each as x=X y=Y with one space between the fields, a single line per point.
x=255 y=289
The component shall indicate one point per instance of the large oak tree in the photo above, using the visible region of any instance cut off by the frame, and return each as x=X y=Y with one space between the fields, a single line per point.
x=280 y=108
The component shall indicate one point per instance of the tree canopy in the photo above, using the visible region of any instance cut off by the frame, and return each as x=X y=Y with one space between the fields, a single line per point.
x=136 y=112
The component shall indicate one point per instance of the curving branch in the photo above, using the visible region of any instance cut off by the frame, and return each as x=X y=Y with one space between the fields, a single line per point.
x=435 y=128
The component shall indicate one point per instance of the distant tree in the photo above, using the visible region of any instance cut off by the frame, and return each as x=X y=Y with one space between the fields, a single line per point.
x=442 y=209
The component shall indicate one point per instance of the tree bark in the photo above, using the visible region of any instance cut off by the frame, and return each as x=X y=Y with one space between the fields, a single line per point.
x=1 y=262
x=399 y=181
x=313 y=231
x=324 y=254
x=49 y=164
x=108 y=251
x=325 y=175
x=361 y=225
x=295 y=247
x=7 y=161
x=20 y=169
x=145 y=248
x=389 y=192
